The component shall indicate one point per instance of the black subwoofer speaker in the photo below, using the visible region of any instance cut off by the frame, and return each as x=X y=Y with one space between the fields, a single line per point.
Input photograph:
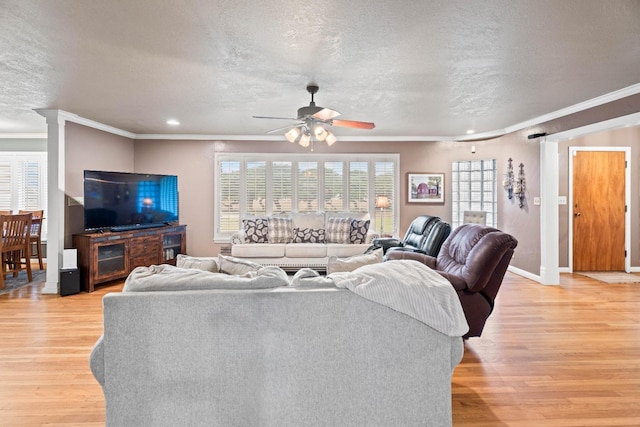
x=69 y=281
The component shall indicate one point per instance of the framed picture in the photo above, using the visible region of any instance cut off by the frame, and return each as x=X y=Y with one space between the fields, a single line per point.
x=425 y=187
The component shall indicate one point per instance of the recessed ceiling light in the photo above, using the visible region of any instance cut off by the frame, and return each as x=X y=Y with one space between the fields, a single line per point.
x=470 y=131
x=173 y=122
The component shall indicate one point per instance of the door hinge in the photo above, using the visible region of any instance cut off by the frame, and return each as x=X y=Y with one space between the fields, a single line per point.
x=625 y=253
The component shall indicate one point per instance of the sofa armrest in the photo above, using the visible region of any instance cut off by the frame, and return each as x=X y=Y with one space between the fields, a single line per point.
x=458 y=282
x=371 y=236
x=398 y=253
x=96 y=360
x=386 y=242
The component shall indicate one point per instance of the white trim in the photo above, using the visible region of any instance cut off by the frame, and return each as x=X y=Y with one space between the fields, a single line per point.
x=56 y=120
x=549 y=222
x=23 y=136
x=523 y=273
x=627 y=199
x=594 y=102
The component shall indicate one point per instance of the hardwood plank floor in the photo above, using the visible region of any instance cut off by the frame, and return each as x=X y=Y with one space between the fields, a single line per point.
x=565 y=355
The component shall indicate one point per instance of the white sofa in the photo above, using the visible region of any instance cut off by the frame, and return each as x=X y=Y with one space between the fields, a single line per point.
x=280 y=249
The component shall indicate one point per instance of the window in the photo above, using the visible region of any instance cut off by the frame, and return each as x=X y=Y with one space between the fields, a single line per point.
x=474 y=189
x=23 y=183
x=264 y=184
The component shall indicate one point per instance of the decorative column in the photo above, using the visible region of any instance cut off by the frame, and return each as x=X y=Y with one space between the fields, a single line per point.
x=55 y=196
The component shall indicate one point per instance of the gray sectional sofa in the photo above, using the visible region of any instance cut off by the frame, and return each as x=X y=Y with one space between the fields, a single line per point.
x=267 y=356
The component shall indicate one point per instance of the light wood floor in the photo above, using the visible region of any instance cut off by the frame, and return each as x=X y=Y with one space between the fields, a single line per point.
x=566 y=355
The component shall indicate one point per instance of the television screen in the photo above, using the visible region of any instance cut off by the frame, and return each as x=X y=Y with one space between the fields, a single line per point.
x=122 y=200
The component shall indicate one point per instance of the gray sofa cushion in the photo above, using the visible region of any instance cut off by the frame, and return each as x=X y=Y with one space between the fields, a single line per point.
x=236 y=266
x=336 y=264
x=200 y=263
x=166 y=277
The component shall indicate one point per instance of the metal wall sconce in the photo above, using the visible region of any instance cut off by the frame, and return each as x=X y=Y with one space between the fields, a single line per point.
x=507 y=182
x=520 y=187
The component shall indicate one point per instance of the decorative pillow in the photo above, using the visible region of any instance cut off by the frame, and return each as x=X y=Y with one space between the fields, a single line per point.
x=308 y=235
x=279 y=229
x=236 y=266
x=358 y=231
x=256 y=230
x=335 y=264
x=205 y=264
x=338 y=230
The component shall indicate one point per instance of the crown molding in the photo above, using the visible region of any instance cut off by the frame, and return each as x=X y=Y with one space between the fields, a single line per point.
x=23 y=136
x=595 y=102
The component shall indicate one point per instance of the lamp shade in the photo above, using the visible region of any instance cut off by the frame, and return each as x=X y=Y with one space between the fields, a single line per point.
x=382 y=202
x=320 y=132
x=292 y=134
x=330 y=139
x=305 y=138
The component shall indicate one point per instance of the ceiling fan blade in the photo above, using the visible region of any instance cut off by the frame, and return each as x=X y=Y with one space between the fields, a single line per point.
x=277 y=118
x=353 y=124
x=326 y=114
x=285 y=127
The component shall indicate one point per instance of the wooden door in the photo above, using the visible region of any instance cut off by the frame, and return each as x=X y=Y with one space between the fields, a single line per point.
x=598 y=211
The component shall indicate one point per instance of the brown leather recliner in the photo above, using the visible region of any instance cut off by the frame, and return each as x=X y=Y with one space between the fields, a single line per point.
x=474 y=258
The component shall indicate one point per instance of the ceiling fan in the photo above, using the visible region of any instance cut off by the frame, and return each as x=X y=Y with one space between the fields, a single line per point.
x=313 y=121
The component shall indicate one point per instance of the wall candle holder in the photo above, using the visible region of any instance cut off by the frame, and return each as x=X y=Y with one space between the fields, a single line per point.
x=507 y=182
x=520 y=187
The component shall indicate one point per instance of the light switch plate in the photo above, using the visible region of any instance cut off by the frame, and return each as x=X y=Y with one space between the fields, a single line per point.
x=536 y=201
x=562 y=200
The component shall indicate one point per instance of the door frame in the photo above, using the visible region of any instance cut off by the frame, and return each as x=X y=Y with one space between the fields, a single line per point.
x=627 y=200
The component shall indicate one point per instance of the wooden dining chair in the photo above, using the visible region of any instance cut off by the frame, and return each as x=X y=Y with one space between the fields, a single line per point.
x=5 y=212
x=35 y=237
x=14 y=245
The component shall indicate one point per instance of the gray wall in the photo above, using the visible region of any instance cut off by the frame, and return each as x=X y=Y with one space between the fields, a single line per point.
x=88 y=148
x=193 y=160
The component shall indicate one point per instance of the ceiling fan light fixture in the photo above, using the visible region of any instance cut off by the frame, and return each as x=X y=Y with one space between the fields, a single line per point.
x=330 y=139
x=292 y=134
x=305 y=139
x=320 y=133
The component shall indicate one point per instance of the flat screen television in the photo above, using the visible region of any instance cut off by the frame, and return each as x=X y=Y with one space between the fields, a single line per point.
x=121 y=200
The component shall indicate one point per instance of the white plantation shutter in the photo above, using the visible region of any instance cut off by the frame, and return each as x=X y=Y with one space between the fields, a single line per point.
x=334 y=186
x=5 y=184
x=385 y=173
x=23 y=183
x=259 y=183
x=358 y=186
x=255 y=187
x=281 y=186
x=307 y=186
x=228 y=196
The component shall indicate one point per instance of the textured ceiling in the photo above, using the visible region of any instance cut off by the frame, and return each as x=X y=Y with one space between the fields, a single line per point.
x=415 y=68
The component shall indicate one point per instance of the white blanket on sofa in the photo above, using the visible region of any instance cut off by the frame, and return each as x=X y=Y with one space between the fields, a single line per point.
x=409 y=287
